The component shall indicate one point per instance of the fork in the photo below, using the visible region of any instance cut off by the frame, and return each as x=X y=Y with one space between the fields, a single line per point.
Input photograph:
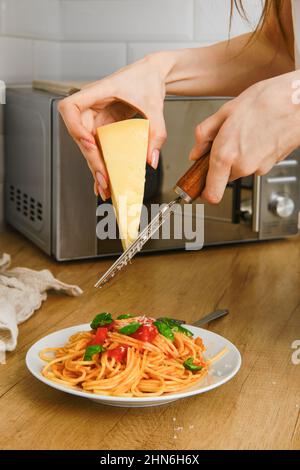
x=206 y=319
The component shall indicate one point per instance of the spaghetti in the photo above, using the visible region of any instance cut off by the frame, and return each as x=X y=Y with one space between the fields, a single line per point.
x=130 y=357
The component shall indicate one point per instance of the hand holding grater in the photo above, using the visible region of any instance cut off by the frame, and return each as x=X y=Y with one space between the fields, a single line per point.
x=188 y=188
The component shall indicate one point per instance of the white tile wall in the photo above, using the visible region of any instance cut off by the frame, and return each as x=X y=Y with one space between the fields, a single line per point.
x=137 y=50
x=31 y=18
x=47 y=38
x=212 y=19
x=15 y=59
x=80 y=61
x=84 y=61
x=47 y=63
x=1 y=17
x=128 y=20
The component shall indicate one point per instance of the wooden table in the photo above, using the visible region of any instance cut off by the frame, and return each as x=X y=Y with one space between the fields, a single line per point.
x=259 y=408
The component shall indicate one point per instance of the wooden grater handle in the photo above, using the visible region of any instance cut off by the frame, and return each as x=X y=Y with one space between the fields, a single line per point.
x=192 y=183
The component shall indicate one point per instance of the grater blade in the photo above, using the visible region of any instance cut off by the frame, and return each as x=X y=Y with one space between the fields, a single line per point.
x=136 y=246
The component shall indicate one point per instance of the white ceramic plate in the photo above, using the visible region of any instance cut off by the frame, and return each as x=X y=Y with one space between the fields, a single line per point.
x=220 y=373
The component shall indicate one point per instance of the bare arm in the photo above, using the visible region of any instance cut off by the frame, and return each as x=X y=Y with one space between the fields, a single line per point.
x=226 y=68
x=229 y=67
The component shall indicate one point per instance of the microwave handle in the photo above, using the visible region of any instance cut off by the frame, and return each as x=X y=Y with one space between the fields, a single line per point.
x=256 y=198
x=236 y=201
x=191 y=184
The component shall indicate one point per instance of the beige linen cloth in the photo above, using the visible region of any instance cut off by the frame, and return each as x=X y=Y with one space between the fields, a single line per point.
x=22 y=291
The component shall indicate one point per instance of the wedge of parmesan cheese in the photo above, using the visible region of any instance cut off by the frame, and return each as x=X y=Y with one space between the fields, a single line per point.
x=124 y=146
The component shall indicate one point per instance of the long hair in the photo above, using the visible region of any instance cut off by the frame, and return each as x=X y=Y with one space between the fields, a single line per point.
x=269 y=7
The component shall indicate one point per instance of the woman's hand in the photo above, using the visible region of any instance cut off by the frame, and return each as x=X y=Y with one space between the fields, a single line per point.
x=249 y=134
x=139 y=87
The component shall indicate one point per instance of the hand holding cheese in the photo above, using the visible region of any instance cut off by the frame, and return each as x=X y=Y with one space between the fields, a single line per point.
x=139 y=87
x=124 y=146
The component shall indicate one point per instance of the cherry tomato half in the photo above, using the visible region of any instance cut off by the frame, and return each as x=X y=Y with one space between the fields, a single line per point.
x=146 y=333
x=118 y=353
x=100 y=336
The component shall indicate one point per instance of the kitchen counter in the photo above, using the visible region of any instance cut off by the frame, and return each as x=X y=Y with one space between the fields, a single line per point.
x=259 y=408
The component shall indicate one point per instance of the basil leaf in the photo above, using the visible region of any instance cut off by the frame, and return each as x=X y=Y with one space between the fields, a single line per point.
x=124 y=316
x=189 y=364
x=164 y=329
x=171 y=321
x=181 y=329
x=130 y=329
x=100 y=320
x=91 y=350
x=175 y=326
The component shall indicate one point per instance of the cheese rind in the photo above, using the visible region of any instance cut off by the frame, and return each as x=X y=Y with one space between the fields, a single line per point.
x=124 y=146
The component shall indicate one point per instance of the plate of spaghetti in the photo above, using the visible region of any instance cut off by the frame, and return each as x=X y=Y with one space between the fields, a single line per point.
x=133 y=361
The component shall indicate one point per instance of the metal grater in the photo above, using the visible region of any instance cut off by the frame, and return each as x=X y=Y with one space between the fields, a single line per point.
x=136 y=246
x=188 y=188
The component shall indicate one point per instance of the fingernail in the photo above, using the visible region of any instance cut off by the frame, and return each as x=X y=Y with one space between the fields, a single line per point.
x=155 y=158
x=101 y=192
x=88 y=144
x=101 y=180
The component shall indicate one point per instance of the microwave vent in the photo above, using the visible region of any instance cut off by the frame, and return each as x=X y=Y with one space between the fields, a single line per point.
x=25 y=204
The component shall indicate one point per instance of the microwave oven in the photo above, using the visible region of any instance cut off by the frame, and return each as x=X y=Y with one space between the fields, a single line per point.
x=49 y=190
